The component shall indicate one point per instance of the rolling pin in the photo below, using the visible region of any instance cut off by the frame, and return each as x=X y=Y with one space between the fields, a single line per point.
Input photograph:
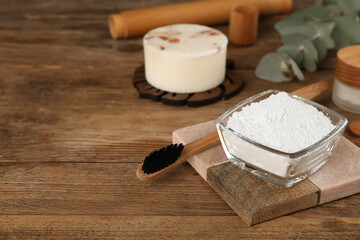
x=139 y=21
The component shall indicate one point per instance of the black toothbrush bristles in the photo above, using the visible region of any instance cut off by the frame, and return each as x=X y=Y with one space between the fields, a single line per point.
x=162 y=158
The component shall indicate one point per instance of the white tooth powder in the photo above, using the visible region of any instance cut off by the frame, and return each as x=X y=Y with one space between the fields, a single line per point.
x=282 y=123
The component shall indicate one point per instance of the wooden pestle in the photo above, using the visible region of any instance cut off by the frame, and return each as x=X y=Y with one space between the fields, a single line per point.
x=138 y=22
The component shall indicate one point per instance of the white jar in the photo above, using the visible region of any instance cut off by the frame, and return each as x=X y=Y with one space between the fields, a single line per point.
x=346 y=97
x=346 y=92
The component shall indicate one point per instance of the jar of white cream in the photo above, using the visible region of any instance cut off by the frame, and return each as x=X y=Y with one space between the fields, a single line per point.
x=346 y=92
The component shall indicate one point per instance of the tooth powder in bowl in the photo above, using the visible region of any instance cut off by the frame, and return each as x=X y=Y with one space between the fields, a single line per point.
x=280 y=137
x=185 y=58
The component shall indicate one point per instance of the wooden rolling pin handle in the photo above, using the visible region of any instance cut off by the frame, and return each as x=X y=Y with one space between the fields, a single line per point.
x=139 y=21
x=116 y=26
x=243 y=26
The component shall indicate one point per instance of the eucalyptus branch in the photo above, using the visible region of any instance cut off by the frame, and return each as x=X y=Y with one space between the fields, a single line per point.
x=307 y=36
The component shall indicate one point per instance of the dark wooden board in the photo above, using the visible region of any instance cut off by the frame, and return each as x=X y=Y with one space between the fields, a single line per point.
x=256 y=200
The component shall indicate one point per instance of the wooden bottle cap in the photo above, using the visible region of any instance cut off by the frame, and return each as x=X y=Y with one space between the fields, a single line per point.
x=243 y=24
x=347 y=68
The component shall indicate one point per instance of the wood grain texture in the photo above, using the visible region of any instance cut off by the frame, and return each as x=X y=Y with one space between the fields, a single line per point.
x=73 y=130
x=105 y=189
x=256 y=200
x=175 y=227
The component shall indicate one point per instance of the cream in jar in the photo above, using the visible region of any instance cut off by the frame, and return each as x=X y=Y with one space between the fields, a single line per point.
x=346 y=92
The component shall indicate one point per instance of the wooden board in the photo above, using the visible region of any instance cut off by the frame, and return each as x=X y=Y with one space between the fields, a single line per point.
x=256 y=200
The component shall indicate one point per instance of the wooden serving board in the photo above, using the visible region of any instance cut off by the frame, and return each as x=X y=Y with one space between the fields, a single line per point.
x=256 y=200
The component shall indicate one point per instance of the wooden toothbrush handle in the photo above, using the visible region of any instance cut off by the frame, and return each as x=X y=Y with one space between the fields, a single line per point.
x=208 y=141
x=313 y=90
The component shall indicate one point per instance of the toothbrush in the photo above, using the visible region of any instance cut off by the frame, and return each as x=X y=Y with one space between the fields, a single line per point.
x=168 y=158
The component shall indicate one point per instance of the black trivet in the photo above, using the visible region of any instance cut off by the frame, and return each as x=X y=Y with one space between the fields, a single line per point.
x=230 y=87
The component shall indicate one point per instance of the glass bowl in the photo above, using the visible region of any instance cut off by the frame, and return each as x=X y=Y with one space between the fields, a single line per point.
x=281 y=168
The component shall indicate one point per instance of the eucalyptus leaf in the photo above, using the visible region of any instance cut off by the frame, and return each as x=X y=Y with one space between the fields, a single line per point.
x=321 y=49
x=286 y=25
x=306 y=30
x=274 y=67
x=307 y=35
x=340 y=39
x=292 y=52
x=319 y=3
x=296 y=70
x=311 y=34
x=322 y=40
x=349 y=27
x=331 y=2
x=319 y=33
x=350 y=7
x=301 y=44
x=334 y=9
x=309 y=64
x=323 y=31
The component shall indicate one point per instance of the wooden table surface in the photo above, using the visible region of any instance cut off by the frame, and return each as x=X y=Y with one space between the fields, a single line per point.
x=73 y=130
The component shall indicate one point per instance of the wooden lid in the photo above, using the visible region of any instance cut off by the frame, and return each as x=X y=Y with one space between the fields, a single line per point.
x=347 y=67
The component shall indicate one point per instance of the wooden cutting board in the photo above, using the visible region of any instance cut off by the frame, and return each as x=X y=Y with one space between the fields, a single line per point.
x=256 y=200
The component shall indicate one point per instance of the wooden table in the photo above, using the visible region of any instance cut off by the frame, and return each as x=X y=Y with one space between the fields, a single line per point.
x=73 y=130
